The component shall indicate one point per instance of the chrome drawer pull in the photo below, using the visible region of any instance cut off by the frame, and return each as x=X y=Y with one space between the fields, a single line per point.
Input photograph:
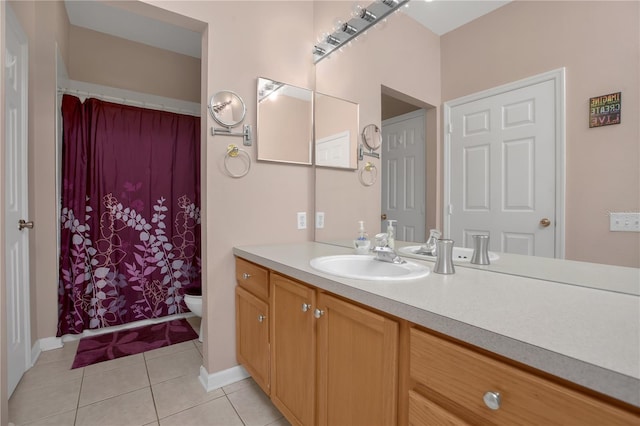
x=261 y=318
x=306 y=307
x=318 y=313
x=246 y=276
x=492 y=400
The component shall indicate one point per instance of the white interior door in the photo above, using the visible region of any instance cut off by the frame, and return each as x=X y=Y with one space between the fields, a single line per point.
x=403 y=175
x=502 y=170
x=16 y=209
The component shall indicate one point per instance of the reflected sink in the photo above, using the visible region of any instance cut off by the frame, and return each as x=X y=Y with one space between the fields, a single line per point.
x=460 y=254
x=364 y=267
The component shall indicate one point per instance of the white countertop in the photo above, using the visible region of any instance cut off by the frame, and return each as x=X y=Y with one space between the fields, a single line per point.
x=586 y=335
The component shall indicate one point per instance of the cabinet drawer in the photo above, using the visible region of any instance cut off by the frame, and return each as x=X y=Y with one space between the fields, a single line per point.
x=464 y=376
x=253 y=278
x=424 y=412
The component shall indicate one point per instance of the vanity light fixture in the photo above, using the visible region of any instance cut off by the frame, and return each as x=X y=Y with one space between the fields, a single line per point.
x=333 y=40
x=317 y=50
x=367 y=15
x=349 y=29
x=361 y=19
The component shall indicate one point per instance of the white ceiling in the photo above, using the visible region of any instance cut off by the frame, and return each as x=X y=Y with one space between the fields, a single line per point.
x=440 y=16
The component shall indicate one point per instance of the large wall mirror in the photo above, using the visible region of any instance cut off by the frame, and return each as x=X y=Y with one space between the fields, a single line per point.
x=431 y=69
x=336 y=132
x=285 y=122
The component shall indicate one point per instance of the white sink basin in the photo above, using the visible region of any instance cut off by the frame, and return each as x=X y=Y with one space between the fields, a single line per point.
x=460 y=254
x=364 y=267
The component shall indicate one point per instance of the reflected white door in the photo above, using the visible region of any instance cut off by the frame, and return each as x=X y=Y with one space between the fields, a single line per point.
x=502 y=171
x=17 y=240
x=403 y=175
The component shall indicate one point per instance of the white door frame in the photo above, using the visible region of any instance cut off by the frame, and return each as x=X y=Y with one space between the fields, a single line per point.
x=558 y=77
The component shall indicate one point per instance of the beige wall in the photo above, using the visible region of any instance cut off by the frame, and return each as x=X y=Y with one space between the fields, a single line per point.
x=603 y=164
x=255 y=209
x=112 y=61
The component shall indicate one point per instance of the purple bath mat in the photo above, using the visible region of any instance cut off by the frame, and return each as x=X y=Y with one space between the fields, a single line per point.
x=133 y=341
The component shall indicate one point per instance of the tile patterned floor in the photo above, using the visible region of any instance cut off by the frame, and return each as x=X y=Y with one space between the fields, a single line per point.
x=158 y=387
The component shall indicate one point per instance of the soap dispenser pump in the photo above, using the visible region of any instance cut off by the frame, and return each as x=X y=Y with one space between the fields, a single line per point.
x=362 y=243
x=391 y=233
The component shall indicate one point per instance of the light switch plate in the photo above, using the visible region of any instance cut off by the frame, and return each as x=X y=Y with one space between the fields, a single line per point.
x=624 y=222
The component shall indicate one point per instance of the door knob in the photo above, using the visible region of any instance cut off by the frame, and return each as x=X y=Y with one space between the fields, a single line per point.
x=545 y=222
x=383 y=216
x=23 y=224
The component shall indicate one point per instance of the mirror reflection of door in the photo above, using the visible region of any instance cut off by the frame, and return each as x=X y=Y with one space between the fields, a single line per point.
x=502 y=170
x=403 y=169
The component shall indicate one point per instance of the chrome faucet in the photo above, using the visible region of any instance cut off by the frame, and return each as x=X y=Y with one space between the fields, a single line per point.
x=384 y=253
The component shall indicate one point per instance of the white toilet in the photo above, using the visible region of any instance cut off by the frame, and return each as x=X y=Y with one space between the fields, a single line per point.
x=193 y=300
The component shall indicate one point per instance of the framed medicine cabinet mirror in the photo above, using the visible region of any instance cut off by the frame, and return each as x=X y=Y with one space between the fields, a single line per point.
x=336 y=126
x=285 y=122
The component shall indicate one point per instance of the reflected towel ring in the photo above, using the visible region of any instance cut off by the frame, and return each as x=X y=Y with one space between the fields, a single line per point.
x=372 y=173
x=234 y=152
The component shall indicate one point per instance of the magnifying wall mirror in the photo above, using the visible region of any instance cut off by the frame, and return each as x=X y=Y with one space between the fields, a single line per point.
x=227 y=108
x=285 y=122
x=371 y=137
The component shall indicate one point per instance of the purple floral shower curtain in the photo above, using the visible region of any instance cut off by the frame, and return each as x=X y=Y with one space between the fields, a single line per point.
x=130 y=220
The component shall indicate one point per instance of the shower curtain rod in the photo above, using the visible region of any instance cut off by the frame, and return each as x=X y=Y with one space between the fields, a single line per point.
x=127 y=101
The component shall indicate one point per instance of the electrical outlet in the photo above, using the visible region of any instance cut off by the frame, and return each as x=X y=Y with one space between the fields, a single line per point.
x=624 y=222
x=319 y=220
x=302 y=220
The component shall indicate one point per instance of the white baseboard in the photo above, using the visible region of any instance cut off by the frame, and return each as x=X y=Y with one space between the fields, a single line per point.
x=44 y=344
x=221 y=378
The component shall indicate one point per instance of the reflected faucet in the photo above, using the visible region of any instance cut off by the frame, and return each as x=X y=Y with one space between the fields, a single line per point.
x=430 y=247
x=383 y=252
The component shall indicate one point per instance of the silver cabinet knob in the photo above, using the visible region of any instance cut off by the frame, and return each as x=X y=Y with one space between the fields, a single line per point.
x=492 y=400
x=261 y=318
x=246 y=276
x=318 y=313
x=306 y=307
x=24 y=224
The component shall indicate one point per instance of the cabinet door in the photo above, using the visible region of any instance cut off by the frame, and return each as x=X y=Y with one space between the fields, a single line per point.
x=293 y=344
x=252 y=336
x=357 y=365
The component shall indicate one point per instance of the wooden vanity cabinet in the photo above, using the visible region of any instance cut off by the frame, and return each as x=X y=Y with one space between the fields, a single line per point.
x=455 y=384
x=293 y=366
x=252 y=321
x=357 y=365
x=353 y=351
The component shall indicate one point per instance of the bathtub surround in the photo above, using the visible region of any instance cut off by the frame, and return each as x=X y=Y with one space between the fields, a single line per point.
x=105 y=347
